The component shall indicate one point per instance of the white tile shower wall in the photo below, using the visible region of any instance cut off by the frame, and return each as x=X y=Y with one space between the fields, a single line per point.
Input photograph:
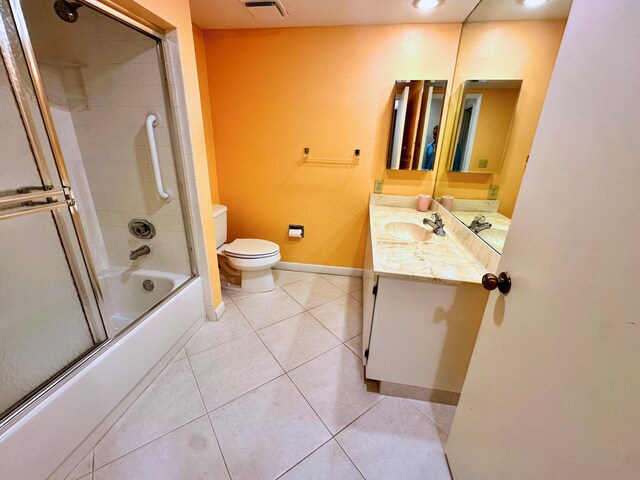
x=115 y=148
x=124 y=94
x=120 y=75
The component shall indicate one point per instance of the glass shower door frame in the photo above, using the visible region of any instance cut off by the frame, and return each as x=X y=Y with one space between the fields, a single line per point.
x=137 y=23
x=17 y=52
x=52 y=197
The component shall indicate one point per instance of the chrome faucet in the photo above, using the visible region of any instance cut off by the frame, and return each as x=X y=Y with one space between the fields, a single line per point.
x=436 y=224
x=140 y=251
x=479 y=224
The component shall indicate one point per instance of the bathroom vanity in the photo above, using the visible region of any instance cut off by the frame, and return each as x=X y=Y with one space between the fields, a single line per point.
x=423 y=299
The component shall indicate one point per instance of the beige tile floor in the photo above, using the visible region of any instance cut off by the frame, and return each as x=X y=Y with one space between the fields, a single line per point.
x=274 y=390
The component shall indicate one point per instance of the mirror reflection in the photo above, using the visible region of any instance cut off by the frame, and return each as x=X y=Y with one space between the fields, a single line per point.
x=486 y=112
x=415 y=124
x=505 y=60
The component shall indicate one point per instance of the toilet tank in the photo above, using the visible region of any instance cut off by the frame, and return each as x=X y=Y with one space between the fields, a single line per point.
x=220 y=223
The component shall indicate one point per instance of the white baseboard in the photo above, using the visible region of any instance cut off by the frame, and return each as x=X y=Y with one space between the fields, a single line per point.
x=312 y=268
x=219 y=311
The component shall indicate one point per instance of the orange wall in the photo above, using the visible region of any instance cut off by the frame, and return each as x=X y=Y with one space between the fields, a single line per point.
x=205 y=103
x=276 y=91
x=505 y=51
x=176 y=14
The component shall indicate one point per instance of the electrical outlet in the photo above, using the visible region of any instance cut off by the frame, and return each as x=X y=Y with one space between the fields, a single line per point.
x=493 y=192
x=377 y=186
x=483 y=163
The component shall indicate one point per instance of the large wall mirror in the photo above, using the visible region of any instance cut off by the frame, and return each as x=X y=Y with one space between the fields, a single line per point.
x=485 y=115
x=506 y=55
x=415 y=124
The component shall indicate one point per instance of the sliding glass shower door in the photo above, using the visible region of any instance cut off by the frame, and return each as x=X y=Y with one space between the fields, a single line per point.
x=48 y=317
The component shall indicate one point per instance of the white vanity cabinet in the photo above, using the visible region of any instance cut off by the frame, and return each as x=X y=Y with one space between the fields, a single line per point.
x=422 y=306
x=422 y=334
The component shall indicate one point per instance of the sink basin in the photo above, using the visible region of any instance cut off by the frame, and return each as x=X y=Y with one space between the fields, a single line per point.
x=409 y=232
x=494 y=236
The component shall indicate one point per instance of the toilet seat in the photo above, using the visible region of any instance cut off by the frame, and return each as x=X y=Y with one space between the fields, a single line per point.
x=251 y=248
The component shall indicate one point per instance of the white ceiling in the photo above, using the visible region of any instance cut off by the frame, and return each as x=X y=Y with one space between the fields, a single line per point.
x=222 y=14
x=306 y=13
x=504 y=10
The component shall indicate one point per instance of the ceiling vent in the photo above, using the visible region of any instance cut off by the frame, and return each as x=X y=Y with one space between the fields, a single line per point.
x=266 y=10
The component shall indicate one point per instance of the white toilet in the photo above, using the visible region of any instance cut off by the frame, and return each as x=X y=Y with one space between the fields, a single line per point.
x=245 y=264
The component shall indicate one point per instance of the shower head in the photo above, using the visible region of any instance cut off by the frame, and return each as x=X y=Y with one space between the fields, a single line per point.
x=67 y=11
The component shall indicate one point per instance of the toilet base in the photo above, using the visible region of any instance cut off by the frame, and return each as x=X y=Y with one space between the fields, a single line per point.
x=257 y=281
x=252 y=282
x=254 y=275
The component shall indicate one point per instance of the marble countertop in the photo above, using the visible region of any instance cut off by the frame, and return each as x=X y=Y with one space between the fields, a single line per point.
x=396 y=254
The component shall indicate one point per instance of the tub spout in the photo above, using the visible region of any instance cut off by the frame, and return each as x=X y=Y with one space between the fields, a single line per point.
x=140 y=251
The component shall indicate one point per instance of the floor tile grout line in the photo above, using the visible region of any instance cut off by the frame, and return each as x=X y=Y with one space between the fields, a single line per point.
x=311 y=406
x=131 y=405
x=427 y=416
x=350 y=459
x=311 y=359
x=215 y=435
x=321 y=323
x=303 y=459
x=149 y=442
x=278 y=321
x=245 y=393
x=323 y=303
x=218 y=345
x=382 y=397
x=207 y=413
x=204 y=404
x=167 y=433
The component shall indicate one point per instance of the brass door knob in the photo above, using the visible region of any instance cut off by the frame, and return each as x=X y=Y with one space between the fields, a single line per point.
x=502 y=282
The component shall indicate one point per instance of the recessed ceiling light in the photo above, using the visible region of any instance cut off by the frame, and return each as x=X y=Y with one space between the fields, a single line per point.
x=533 y=3
x=427 y=4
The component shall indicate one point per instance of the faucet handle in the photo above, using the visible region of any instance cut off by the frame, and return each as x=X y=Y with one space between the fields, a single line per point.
x=480 y=218
x=436 y=216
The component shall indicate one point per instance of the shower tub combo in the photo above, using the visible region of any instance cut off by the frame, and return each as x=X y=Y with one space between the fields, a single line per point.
x=100 y=284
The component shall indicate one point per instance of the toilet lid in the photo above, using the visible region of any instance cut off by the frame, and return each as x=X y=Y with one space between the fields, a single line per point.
x=251 y=248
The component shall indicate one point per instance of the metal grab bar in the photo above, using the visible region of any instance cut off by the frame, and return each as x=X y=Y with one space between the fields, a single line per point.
x=152 y=121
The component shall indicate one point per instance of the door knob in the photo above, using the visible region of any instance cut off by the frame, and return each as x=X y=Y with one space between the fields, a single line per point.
x=502 y=282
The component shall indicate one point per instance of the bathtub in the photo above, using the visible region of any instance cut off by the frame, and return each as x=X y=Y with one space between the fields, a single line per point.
x=126 y=298
x=58 y=432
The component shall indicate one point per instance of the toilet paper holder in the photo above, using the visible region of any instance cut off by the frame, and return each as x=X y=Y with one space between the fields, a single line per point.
x=296 y=228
